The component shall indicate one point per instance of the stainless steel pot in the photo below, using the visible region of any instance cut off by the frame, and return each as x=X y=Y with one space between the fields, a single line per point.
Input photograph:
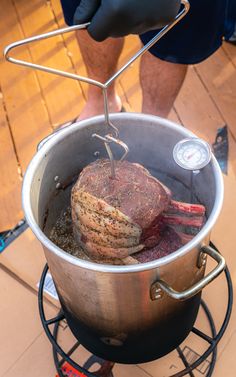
x=129 y=313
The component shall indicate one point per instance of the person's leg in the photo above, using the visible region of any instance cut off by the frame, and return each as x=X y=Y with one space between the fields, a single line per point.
x=100 y=60
x=160 y=82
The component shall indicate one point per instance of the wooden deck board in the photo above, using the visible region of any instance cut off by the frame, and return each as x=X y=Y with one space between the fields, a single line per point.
x=196 y=109
x=230 y=51
x=63 y=97
x=24 y=104
x=10 y=198
x=218 y=74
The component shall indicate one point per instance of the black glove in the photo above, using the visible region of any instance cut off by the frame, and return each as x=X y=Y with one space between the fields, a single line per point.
x=117 y=18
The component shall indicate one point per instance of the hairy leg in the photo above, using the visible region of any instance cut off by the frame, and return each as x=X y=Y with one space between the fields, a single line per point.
x=161 y=82
x=100 y=60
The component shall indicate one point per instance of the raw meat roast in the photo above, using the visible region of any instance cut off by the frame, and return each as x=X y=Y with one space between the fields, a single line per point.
x=132 y=214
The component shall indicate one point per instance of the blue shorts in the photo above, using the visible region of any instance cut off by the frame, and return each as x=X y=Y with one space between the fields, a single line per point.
x=198 y=35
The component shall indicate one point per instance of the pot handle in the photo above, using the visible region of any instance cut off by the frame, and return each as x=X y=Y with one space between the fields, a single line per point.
x=160 y=286
x=47 y=138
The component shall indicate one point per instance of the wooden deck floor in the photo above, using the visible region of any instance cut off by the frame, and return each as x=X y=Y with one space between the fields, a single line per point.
x=33 y=103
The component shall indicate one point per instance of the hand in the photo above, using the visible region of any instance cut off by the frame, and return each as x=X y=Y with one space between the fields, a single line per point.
x=117 y=18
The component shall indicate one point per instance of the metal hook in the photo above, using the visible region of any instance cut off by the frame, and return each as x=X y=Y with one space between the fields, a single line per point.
x=109 y=152
x=121 y=143
x=107 y=139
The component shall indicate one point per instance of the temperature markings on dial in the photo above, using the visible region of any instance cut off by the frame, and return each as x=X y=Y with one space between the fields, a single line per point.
x=192 y=154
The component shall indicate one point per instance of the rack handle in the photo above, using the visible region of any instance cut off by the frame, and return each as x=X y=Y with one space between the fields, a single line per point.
x=58 y=72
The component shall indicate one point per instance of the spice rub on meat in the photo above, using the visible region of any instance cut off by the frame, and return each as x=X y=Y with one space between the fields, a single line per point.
x=119 y=217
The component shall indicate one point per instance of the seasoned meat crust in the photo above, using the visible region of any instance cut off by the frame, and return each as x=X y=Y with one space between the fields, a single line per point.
x=112 y=216
x=134 y=191
x=115 y=218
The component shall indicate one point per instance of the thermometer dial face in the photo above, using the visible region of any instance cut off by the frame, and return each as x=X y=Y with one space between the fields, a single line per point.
x=192 y=154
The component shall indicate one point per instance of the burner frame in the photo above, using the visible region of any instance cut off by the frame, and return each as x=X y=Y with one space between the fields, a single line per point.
x=213 y=341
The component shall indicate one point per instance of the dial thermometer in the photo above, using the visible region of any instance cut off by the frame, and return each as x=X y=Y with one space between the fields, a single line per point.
x=192 y=154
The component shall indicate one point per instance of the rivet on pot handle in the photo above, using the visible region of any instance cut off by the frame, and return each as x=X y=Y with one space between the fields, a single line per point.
x=161 y=286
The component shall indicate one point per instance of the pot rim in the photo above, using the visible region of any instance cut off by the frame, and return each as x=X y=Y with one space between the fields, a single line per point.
x=195 y=242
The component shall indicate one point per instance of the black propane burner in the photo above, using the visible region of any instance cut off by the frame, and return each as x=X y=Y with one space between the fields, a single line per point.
x=105 y=369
